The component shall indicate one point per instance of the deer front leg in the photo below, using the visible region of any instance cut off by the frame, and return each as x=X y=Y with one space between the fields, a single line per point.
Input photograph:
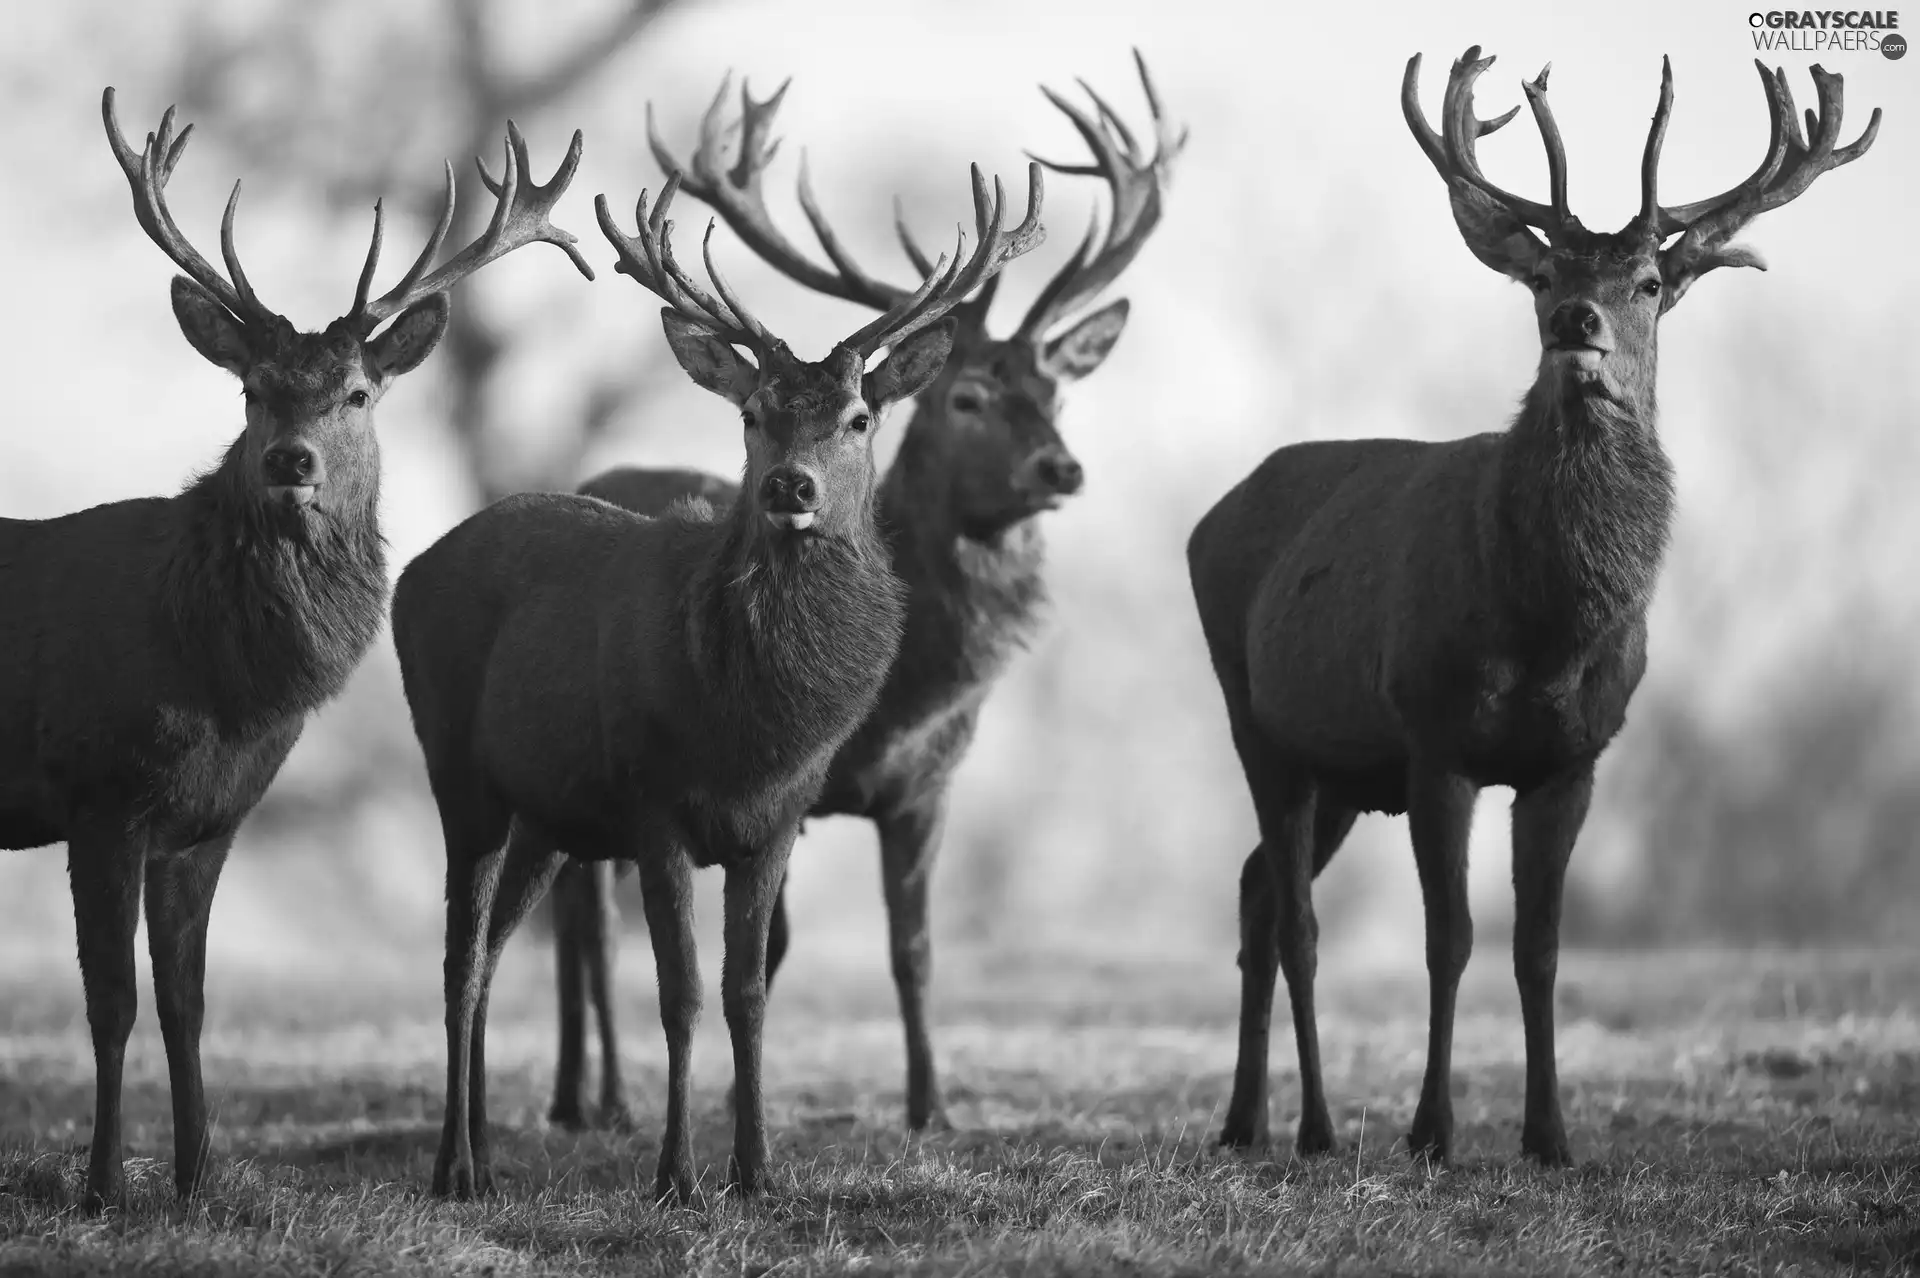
x=1440 y=812
x=105 y=871
x=1546 y=821
x=666 y=893
x=179 y=901
x=908 y=841
x=753 y=888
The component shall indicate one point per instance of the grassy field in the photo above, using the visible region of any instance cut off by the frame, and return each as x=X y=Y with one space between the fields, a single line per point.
x=1730 y=1114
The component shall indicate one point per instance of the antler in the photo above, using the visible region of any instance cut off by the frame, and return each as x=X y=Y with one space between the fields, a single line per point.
x=519 y=218
x=1138 y=183
x=738 y=195
x=147 y=173
x=1791 y=164
x=1452 y=150
x=648 y=258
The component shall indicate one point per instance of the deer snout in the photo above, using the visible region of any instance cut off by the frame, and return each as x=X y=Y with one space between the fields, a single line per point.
x=1058 y=470
x=292 y=472
x=1576 y=325
x=790 y=496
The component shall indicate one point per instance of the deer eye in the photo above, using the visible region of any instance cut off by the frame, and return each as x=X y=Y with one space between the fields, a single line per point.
x=359 y=399
x=747 y=418
x=860 y=422
x=1650 y=287
x=967 y=403
x=1539 y=283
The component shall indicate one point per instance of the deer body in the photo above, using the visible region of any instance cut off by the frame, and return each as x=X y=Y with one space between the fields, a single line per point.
x=960 y=510
x=1396 y=625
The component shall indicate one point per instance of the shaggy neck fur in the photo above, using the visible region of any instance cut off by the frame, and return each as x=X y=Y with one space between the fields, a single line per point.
x=800 y=628
x=272 y=607
x=1584 y=503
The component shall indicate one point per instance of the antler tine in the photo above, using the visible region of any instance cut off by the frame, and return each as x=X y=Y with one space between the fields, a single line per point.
x=365 y=285
x=520 y=217
x=1656 y=138
x=741 y=314
x=232 y=257
x=1793 y=162
x=737 y=194
x=1431 y=142
x=921 y=262
x=947 y=286
x=1137 y=185
x=147 y=172
x=1536 y=91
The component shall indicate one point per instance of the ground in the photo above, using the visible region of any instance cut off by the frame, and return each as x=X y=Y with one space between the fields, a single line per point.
x=1730 y=1113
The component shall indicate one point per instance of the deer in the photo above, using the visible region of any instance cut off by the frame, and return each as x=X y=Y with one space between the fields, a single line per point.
x=670 y=690
x=159 y=656
x=1397 y=624
x=980 y=462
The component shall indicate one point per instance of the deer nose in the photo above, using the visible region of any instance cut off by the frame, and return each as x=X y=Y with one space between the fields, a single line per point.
x=1574 y=323
x=289 y=465
x=790 y=490
x=1057 y=469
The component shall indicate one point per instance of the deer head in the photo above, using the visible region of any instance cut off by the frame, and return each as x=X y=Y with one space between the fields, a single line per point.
x=991 y=414
x=809 y=426
x=309 y=443
x=1598 y=296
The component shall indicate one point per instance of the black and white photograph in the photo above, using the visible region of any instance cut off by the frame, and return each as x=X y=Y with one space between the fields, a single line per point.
x=958 y=637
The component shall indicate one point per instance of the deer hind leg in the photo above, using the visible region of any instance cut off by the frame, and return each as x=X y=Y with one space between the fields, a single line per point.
x=1278 y=934
x=666 y=892
x=909 y=839
x=600 y=936
x=752 y=889
x=475 y=826
x=570 y=891
x=1440 y=812
x=179 y=900
x=526 y=871
x=105 y=872
x=1546 y=821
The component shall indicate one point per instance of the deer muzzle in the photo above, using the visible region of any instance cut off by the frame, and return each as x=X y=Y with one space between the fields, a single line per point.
x=292 y=472
x=790 y=497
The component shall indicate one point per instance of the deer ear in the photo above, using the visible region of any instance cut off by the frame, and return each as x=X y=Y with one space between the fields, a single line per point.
x=1687 y=259
x=912 y=365
x=210 y=328
x=409 y=339
x=709 y=359
x=1085 y=346
x=1495 y=236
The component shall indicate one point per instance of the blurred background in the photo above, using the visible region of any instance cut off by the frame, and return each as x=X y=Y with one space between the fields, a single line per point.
x=1307 y=283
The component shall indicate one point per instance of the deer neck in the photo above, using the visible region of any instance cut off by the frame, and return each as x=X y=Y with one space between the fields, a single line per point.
x=273 y=607
x=803 y=626
x=1584 y=504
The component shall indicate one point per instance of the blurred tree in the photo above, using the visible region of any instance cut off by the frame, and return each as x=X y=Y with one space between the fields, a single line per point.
x=355 y=101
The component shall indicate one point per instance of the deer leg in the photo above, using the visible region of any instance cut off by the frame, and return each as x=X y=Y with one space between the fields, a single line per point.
x=666 y=893
x=1546 y=821
x=569 y=964
x=526 y=871
x=179 y=900
x=600 y=947
x=908 y=841
x=1440 y=812
x=1278 y=933
x=105 y=873
x=753 y=888
x=777 y=935
x=475 y=852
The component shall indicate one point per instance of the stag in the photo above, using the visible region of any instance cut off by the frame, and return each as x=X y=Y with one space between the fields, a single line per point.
x=981 y=459
x=670 y=690
x=159 y=656
x=1396 y=625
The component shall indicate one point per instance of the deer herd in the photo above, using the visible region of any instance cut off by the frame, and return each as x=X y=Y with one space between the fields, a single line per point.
x=666 y=670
